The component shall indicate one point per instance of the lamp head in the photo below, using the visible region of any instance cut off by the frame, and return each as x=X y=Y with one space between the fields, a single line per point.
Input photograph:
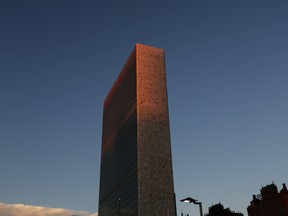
x=189 y=200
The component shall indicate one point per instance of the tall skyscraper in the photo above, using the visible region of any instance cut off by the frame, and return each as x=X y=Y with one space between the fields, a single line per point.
x=136 y=165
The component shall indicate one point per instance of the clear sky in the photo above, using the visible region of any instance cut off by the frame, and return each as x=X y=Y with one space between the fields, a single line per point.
x=227 y=74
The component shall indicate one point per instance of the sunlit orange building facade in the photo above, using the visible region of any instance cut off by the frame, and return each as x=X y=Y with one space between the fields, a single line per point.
x=136 y=164
x=269 y=202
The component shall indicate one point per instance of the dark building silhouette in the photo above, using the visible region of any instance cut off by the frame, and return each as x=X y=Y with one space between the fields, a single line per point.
x=269 y=202
x=136 y=165
x=219 y=210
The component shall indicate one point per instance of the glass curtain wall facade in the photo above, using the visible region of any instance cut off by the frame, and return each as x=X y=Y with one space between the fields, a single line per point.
x=118 y=190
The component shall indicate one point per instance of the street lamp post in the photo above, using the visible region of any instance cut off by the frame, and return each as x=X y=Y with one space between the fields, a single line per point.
x=119 y=206
x=191 y=200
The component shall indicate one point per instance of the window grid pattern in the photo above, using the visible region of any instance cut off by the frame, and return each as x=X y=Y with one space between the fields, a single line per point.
x=118 y=178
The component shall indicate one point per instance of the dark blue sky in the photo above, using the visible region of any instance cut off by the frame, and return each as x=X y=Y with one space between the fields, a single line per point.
x=227 y=71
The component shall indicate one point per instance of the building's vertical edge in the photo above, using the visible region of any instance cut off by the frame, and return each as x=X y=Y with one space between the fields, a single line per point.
x=155 y=176
x=138 y=156
x=101 y=168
